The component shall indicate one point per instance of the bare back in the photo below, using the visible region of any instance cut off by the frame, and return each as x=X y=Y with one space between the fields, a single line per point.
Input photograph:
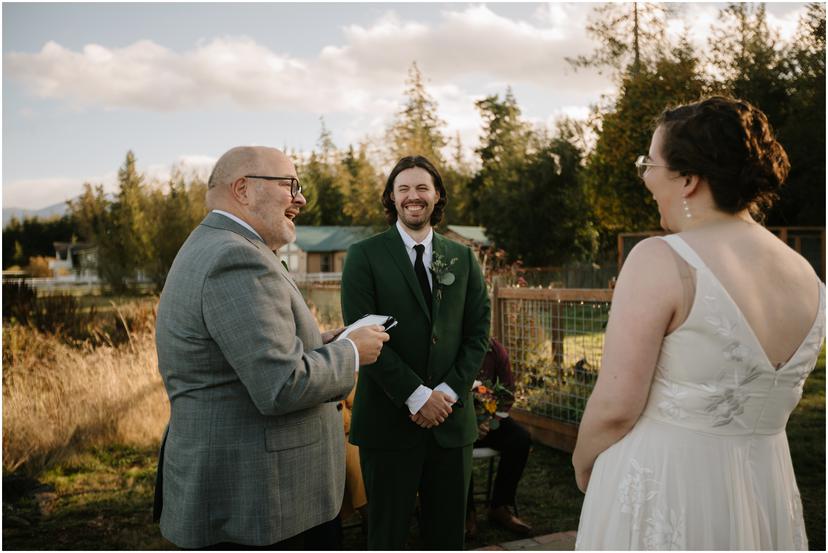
x=774 y=287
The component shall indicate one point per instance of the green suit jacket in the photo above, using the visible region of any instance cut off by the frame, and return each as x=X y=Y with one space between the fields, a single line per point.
x=447 y=345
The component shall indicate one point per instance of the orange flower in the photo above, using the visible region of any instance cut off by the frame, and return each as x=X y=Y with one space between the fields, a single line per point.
x=482 y=389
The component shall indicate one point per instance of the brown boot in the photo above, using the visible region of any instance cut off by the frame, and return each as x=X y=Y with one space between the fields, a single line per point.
x=471 y=525
x=503 y=516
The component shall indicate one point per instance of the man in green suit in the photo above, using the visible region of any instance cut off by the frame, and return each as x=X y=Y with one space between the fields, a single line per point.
x=413 y=416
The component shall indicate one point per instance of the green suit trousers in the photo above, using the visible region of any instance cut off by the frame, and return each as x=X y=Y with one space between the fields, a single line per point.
x=438 y=474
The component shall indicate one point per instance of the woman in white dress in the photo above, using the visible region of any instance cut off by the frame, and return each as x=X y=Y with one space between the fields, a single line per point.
x=712 y=333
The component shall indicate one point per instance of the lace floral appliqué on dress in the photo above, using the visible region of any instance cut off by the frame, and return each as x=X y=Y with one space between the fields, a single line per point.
x=665 y=532
x=707 y=464
x=636 y=489
x=726 y=401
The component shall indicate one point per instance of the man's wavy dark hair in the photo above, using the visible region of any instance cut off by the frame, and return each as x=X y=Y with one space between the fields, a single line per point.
x=410 y=162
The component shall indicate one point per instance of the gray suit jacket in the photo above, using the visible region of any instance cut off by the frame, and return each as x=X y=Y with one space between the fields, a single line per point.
x=254 y=451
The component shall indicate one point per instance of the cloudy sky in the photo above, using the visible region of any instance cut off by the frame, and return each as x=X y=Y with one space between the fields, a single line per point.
x=181 y=83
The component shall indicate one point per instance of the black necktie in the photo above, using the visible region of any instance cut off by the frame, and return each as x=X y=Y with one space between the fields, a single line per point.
x=419 y=269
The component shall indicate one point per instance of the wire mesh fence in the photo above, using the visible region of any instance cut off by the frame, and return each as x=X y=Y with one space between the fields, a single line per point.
x=555 y=339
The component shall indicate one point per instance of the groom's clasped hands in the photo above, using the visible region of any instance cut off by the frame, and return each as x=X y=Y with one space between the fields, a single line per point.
x=435 y=410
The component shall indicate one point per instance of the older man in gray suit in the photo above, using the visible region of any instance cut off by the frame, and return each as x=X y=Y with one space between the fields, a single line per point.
x=254 y=451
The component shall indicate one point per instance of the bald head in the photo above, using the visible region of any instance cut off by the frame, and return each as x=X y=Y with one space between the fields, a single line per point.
x=238 y=162
x=242 y=183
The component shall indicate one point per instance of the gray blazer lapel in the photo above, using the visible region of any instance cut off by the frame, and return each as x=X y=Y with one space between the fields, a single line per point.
x=286 y=274
x=396 y=249
x=219 y=221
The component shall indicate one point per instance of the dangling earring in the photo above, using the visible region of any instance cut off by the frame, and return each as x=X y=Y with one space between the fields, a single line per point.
x=686 y=209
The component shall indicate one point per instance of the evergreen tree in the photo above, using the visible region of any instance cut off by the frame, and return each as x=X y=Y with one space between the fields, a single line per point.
x=802 y=201
x=417 y=129
x=363 y=188
x=619 y=198
x=321 y=185
x=456 y=177
x=91 y=211
x=750 y=64
x=630 y=36
x=327 y=149
x=35 y=237
x=503 y=149
x=505 y=139
x=539 y=213
x=309 y=215
x=121 y=230
x=323 y=192
x=528 y=192
x=127 y=246
x=180 y=210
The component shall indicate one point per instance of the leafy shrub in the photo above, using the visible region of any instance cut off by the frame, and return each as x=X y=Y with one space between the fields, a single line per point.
x=38 y=267
x=18 y=301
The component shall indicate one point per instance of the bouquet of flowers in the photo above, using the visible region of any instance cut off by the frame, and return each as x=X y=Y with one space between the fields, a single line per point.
x=488 y=399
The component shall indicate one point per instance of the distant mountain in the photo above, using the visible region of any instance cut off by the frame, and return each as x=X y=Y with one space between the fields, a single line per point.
x=58 y=209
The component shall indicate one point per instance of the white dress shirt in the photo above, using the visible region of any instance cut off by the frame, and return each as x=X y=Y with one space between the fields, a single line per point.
x=239 y=221
x=420 y=396
x=251 y=229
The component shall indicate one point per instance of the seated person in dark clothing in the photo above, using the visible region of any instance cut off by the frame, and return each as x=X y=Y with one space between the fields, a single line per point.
x=513 y=443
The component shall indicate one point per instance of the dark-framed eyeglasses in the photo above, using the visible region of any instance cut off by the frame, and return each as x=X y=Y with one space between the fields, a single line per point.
x=642 y=163
x=295 y=187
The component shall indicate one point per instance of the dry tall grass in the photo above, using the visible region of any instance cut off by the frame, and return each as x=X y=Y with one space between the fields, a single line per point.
x=58 y=399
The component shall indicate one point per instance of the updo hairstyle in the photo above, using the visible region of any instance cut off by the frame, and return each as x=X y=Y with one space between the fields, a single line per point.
x=730 y=144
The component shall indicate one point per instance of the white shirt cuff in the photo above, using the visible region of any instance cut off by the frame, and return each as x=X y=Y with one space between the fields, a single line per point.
x=446 y=389
x=356 y=354
x=418 y=398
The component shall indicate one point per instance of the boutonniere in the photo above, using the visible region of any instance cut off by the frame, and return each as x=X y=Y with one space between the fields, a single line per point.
x=442 y=275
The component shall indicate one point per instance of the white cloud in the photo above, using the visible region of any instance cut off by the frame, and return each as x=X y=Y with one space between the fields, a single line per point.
x=474 y=41
x=145 y=75
x=787 y=24
x=696 y=20
x=363 y=75
x=190 y=166
x=700 y=19
x=469 y=51
x=39 y=193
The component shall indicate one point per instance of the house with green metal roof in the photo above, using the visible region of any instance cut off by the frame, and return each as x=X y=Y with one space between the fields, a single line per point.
x=321 y=249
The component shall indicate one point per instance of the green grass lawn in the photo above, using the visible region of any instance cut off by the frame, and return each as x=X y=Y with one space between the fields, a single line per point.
x=103 y=499
x=806 y=436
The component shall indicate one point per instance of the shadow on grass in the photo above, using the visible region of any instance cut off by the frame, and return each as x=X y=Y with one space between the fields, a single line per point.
x=102 y=499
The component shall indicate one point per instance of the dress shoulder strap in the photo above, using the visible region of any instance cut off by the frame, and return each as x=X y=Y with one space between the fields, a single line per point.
x=684 y=250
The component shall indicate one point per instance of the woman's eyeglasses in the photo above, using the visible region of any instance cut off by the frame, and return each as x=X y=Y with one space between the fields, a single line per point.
x=642 y=163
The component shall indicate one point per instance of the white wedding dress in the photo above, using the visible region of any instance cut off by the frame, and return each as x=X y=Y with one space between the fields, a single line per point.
x=707 y=466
